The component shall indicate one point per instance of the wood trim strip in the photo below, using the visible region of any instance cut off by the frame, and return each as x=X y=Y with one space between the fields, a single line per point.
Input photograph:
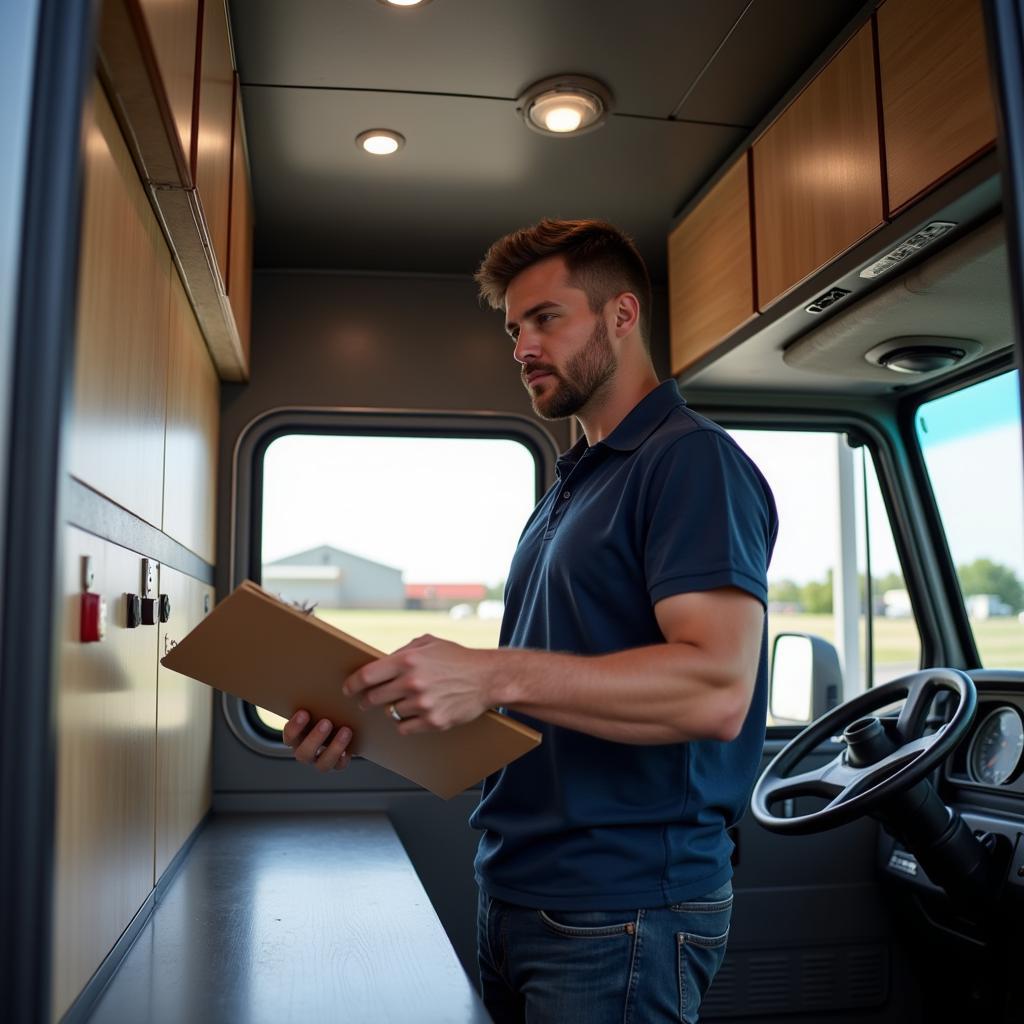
x=95 y=514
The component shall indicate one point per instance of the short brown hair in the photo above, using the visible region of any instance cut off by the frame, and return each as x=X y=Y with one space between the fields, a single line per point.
x=600 y=259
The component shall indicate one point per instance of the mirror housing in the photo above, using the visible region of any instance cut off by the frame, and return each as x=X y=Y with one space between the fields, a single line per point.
x=806 y=679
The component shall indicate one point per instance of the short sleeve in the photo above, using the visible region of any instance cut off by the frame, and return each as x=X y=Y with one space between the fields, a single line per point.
x=710 y=519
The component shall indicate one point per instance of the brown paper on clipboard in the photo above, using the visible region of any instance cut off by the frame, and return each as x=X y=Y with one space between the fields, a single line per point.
x=267 y=652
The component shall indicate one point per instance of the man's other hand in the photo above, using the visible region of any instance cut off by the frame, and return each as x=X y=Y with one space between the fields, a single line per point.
x=313 y=743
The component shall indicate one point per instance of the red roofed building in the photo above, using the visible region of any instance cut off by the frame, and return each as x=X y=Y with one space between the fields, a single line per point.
x=442 y=596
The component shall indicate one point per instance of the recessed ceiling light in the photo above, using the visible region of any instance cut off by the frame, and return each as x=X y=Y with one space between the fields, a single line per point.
x=404 y=3
x=565 y=105
x=380 y=141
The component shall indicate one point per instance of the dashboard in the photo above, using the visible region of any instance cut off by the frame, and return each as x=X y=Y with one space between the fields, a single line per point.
x=983 y=779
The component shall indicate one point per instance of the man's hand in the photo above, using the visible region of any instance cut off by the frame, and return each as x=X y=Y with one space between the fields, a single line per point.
x=313 y=744
x=433 y=684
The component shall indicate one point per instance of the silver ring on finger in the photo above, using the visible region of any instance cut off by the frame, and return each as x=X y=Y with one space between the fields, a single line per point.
x=394 y=713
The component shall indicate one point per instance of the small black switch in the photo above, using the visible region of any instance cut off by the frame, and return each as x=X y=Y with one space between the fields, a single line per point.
x=133 y=610
x=165 y=607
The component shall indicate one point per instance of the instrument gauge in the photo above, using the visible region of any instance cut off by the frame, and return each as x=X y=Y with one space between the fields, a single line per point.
x=997 y=746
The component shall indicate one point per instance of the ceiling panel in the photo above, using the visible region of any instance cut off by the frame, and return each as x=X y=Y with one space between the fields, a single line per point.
x=647 y=52
x=470 y=171
x=771 y=47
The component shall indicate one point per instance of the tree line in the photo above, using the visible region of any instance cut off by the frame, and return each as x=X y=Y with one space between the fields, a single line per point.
x=982 y=576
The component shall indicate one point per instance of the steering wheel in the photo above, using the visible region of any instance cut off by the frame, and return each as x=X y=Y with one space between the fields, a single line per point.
x=881 y=756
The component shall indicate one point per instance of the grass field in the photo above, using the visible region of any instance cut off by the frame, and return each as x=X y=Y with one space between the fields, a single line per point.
x=897 y=648
x=1001 y=641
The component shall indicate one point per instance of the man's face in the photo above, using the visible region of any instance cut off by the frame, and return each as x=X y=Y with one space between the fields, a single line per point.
x=563 y=348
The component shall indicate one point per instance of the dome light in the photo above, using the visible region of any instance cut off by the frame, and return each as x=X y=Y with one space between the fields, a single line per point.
x=404 y=3
x=380 y=141
x=565 y=105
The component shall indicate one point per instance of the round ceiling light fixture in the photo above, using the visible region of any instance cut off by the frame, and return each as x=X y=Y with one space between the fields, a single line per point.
x=404 y=3
x=380 y=141
x=922 y=353
x=565 y=105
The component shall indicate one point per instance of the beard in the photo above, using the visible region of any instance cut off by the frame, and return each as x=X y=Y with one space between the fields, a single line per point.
x=585 y=375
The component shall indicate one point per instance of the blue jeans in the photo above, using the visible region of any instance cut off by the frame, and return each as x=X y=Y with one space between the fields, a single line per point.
x=600 y=966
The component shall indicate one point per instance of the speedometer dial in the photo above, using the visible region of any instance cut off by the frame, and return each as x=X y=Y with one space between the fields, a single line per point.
x=997 y=747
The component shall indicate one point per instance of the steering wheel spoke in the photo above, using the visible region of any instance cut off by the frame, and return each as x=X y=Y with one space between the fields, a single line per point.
x=852 y=790
x=828 y=780
x=920 y=694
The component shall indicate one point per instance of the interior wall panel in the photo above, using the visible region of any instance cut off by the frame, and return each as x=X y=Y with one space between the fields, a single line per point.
x=117 y=435
x=184 y=725
x=193 y=419
x=106 y=716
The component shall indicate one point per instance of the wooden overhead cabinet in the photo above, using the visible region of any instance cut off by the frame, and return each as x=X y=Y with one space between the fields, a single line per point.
x=240 y=251
x=936 y=101
x=211 y=142
x=711 y=274
x=818 y=173
x=173 y=26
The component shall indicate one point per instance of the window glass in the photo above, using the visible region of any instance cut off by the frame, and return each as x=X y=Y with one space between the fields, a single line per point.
x=392 y=537
x=971 y=443
x=834 y=536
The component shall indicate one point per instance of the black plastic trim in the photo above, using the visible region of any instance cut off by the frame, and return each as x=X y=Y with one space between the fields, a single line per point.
x=1004 y=25
x=40 y=404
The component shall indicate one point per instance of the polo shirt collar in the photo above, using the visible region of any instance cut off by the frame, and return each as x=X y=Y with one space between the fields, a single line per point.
x=642 y=420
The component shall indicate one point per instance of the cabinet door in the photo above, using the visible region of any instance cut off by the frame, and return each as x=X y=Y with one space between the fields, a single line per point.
x=193 y=422
x=936 y=100
x=711 y=274
x=818 y=172
x=211 y=147
x=117 y=434
x=184 y=724
x=106 y=717
x=240 y=254
x=173 y=28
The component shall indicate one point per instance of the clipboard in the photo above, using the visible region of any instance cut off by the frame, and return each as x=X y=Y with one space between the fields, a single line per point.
x=265 y=651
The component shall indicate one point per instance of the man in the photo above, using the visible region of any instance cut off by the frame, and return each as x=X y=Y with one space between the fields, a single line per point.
x=633 y=639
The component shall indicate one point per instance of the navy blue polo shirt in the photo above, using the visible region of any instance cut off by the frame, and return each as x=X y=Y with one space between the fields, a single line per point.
x=666 y=504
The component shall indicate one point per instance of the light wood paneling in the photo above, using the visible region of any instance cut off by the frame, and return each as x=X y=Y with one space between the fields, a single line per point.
x=936 y=98
x=117 y=435
x=240 y=252
x=711 y=274
x=184 y=724
x=173 y=26
x=211 y=145
x=193 y=420
x=817 y=173
x=106 y=711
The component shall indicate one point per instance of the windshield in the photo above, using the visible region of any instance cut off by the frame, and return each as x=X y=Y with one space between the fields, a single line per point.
x=971 y=441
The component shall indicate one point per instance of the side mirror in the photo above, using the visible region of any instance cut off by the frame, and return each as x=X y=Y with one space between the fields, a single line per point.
x=806 y=679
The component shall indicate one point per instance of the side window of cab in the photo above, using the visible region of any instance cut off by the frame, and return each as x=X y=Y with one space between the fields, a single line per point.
x=835 y=574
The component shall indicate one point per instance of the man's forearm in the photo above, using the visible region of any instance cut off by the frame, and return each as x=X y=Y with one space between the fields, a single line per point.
x=665 y=693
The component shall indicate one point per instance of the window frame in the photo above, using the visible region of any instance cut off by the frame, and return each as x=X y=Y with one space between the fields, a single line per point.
x=247 y=494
